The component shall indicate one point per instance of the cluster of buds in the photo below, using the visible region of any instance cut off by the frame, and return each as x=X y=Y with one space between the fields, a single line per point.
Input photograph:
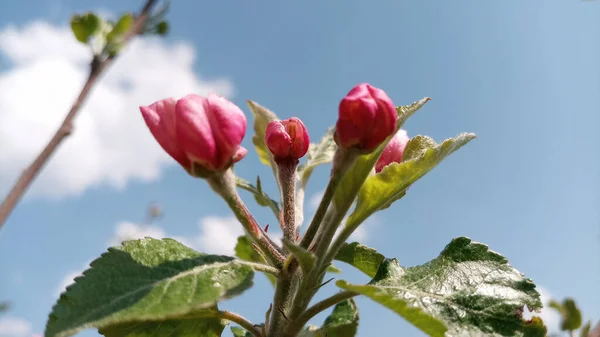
x=203 y=134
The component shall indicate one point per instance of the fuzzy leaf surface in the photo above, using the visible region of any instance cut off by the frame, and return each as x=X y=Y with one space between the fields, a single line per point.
x=467 y=291
x=146 y=280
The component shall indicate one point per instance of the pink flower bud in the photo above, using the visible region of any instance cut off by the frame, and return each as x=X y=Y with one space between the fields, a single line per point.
x=287 y=139
x=393 y=151
x=196 y=130
x=367 y=116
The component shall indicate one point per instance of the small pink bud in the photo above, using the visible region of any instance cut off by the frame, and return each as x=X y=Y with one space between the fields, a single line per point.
x=287 y=139
x=196 y=130
x=393 y=151
x=367 y=116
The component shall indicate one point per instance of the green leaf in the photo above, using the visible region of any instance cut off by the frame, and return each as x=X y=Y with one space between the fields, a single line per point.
x=585 y=330
x=355 y=177
x=120 y=28
x=422 y=154
x=571 y=315
x=306 y=259
x=333 y=269
x=262 y=117
x=364 y=258
x=405 y=111
x=85 y=26
x=343 y=322
x=162 y=28
x=192 y=327
x=467 y=290
x=245 y=251
x=240 y=332
x=261 y=197
x=318 y=154
x=116 y=34
x=4 y=306
x=146 y=280
x=556 y=306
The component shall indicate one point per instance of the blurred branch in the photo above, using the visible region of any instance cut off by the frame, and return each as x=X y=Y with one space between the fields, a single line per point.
x=3 y=306
x=596 y=331
x=98 y=66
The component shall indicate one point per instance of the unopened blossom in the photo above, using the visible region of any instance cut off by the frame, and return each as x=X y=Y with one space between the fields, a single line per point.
x=203 y=134
x=287 y=139
x=393 y=151
x=367 y=116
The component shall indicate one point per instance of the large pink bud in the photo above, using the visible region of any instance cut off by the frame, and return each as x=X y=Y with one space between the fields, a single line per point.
x=367 y=116
x=287 y=139
x=203 y=134
x=393 y=151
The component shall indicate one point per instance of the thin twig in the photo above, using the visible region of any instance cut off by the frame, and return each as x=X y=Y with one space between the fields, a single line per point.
x=262 y=267
x=224 y=185
x=596 y=331
x=66 y=128
x=242 y=321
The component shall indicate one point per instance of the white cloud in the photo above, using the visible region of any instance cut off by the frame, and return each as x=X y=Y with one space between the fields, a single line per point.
x=14 y=327
x=218 y=235
x=361 y=234
x=110 y=145
x=130 y=231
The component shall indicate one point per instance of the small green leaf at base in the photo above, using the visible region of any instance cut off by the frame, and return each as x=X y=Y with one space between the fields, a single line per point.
x=306 y=259
x=468 y=290
x=355 y=177
x=343 y=322
x=262 y=117
x=240 y=332
x=318 y=154
x=360 y=256
x=245 y=251
x=146 y=280
x=421 y=155
x=261 y=197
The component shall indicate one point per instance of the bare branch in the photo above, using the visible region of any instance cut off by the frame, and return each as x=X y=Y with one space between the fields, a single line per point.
x=98 y=66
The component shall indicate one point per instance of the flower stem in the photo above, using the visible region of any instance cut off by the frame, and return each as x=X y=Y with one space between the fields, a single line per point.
x=342 y=163
x=281 y=302
x=224 y=185
x=243 y=322
x=286 y=174
x=309 y=284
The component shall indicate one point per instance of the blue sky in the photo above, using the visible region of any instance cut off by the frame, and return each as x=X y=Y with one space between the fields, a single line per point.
x=523 y=75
